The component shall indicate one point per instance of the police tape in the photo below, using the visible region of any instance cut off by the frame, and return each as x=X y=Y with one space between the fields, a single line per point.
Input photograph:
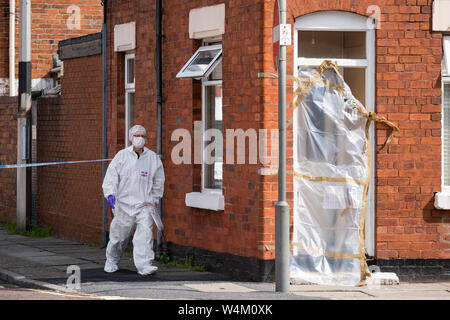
x=26 y=165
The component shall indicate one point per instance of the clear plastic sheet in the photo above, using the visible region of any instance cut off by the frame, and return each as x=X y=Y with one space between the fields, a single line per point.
x=331 y=179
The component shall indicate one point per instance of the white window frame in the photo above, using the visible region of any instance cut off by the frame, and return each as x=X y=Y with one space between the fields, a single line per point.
x=442 y=199
x=209 y=199
x=446 y=53
x=445 y=76
x=200 y=74
x=129 y=88
x=444 y=188
x=206 y=83
x=346 y=21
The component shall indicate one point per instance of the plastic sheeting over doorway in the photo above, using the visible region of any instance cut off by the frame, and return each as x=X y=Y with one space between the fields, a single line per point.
x=331 y=178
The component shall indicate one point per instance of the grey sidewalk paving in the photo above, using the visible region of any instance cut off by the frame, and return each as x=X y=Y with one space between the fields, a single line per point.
x=42 y=263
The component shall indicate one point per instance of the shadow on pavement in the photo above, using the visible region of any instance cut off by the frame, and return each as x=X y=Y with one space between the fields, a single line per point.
x=126 y=275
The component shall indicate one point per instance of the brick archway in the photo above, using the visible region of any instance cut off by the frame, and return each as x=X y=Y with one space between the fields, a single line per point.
x=297 y=8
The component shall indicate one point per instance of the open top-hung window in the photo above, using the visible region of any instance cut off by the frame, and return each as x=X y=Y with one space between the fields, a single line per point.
x=206 y=64
x=204 y=60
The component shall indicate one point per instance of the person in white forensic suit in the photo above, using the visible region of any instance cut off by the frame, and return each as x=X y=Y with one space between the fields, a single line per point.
x=133 y=186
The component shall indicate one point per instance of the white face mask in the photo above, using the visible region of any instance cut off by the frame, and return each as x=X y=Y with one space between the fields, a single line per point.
x=138 y=142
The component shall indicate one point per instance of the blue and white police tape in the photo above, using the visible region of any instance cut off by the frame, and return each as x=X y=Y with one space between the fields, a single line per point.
x=26 y=165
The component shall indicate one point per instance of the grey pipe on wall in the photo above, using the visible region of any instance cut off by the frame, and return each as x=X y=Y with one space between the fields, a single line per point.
x=104 y=123
x=159 y=99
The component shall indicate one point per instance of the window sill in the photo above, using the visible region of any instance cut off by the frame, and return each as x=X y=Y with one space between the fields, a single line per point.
x=209 y=201
x=442 y=200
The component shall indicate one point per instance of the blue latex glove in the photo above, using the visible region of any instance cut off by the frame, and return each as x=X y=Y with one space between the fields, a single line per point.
x=111 y=201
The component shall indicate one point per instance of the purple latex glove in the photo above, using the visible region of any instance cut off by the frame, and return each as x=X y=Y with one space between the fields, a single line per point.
x=111 y=201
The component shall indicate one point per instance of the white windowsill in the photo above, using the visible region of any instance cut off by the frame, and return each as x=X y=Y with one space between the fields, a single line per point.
x=209 y=201
x=442 y=200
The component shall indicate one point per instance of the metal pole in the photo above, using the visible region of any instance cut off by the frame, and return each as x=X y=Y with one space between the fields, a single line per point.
x=282 y=207
x=159 y=95
x=104 y=122
x=159 y=103
x=23 y=110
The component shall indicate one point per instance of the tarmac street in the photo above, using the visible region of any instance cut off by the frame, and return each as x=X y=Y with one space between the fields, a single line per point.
x=13 y=292
x=42 y=264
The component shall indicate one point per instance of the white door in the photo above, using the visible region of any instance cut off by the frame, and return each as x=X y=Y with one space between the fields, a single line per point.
x=348 y=39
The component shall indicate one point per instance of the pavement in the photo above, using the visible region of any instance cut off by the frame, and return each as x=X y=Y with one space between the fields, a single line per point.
x=54 y=265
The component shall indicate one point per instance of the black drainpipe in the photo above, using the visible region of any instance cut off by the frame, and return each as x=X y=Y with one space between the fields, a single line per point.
x=32 y=192
x=159 y=100
x=159 y=95
x=104 y=123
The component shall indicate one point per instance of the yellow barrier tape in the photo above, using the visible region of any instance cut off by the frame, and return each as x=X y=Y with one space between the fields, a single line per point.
x=300 y=93
x=327 y=179
x=372 y=116
x=345 y=211
x=326 y=253
x=364 y=269
x=317 y=78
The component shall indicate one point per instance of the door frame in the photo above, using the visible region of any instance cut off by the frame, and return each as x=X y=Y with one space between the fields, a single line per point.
x=347 y=21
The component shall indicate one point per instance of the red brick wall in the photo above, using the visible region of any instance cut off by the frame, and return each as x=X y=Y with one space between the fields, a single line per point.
x=49 y=25
x=8 y=155
x=116 y=72
x=239 y=229
x=407 y=92
x=70 y=129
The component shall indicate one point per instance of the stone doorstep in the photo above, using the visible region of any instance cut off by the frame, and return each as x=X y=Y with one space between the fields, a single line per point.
x=383 y=278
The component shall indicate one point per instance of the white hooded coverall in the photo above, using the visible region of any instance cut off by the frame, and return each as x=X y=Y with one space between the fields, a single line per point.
x=133 y=181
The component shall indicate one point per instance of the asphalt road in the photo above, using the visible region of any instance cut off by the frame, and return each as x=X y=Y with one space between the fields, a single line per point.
x=13 y=292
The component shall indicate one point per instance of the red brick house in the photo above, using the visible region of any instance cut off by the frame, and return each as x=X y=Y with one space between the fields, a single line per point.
x=395 y=57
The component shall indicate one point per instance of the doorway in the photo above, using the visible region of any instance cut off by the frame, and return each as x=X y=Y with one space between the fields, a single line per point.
x=349 y=40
